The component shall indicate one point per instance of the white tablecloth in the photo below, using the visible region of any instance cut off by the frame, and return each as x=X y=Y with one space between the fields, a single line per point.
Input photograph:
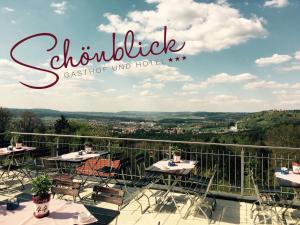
x=74 y=155
x=295 y=178
x=186 y=164
x=61 y=213
x=4 y=151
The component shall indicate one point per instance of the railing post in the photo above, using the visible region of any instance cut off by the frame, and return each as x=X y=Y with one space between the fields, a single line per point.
x=170 y=157
x=109 y=150
x=57 y=146
x=242 y=170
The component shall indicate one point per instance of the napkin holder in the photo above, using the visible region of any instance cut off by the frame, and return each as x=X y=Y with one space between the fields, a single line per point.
x=171 y=164
x=284 y=170
x=12 y=204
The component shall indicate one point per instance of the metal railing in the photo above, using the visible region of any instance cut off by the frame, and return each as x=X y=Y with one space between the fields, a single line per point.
x=234 y=160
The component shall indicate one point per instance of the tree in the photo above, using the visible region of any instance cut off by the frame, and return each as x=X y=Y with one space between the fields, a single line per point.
x=62 y=125
x=30 y=122
x=284 y=135
x=5 y=118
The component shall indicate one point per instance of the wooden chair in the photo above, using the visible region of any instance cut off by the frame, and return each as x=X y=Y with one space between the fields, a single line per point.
x=107 y=194
x=66 y=187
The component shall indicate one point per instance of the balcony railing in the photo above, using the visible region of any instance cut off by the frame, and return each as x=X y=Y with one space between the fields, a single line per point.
x=234 y=161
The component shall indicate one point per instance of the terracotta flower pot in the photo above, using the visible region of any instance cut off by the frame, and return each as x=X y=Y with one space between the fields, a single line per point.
x=41 y=206
x=296 y=167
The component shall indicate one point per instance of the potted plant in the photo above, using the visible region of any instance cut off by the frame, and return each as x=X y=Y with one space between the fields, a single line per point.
x=19 y=142
x=176 y=154
x=88 y=147
x=40 y=188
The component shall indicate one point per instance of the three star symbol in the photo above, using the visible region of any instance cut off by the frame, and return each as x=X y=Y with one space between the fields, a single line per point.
x=177 y=59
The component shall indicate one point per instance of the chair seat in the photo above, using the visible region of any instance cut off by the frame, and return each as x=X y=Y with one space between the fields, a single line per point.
x=199 y=179
x=140 y=182
x=11 y=167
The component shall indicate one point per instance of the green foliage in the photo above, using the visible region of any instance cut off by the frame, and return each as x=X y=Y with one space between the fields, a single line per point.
x=41 y=186
x=62 y=126
x=267 y=119
x=5 y=118
x=16 y=139
x=175 y=150
x=283 y=135
x=28 y=122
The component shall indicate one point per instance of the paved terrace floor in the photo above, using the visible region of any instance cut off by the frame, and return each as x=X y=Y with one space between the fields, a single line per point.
x=226 y=213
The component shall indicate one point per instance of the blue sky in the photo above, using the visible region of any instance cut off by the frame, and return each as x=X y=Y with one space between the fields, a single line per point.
x=241 y=55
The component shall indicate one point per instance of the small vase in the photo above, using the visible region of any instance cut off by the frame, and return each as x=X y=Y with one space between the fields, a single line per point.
x=296 y=167
x=88 y=149
x=176 y=158
x=18 y=145
x=41 y=206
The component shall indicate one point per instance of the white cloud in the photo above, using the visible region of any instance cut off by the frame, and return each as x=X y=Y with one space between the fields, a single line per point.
x=158 y=72
x=205 y=27
x=185 y=93
x=110 y=90
x=218 y=79
x=124 y=97
x=290 y=68
x=274 y=59
x=147 y=93
x=59 y=7
x=288 y=99
x=276 y=3
x=12 y=72
x=8 y=9
x=297 y=55
x=263 y=84
x=279 y=92
x=149 y=85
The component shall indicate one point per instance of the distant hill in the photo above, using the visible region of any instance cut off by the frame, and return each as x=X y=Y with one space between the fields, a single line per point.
x=134 y=115
x=268 y=119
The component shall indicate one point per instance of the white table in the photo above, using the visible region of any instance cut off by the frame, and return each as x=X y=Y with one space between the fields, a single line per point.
x=181 y=169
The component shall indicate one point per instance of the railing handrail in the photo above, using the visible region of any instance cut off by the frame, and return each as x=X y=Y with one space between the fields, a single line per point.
x=162 y=141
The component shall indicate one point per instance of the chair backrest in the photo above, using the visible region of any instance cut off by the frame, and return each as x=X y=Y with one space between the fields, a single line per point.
x=18 y=156
x=50 y=165
x=62 y=150
x=140 y=163
x=107 y=194
x=40 y=152
x=117 y=156
x=65 y=187
x=124 y=166
x=5 y=160
x=257 y=192
x=214 y=171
